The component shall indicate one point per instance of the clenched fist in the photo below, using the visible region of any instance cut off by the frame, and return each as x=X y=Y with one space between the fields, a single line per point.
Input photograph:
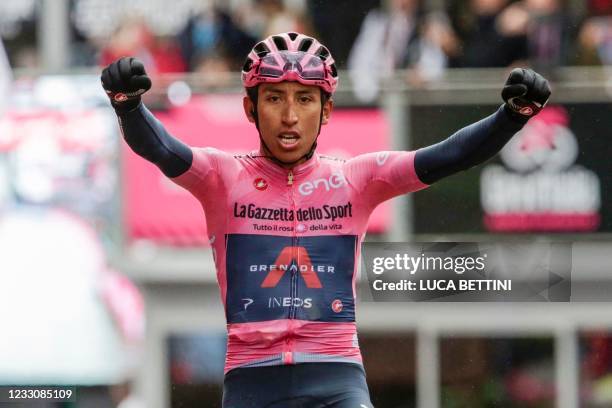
x=526 y=92
x=124 y=81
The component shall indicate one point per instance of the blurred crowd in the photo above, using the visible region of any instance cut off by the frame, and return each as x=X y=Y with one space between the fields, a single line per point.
x=378 y=36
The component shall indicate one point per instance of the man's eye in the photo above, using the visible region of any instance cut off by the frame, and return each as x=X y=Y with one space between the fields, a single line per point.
x=305 y=99
x=273 y=98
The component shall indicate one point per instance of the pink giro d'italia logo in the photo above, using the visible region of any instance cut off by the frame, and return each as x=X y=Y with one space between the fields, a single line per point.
x=260 y=184
x=337 y=306
x=541 y=188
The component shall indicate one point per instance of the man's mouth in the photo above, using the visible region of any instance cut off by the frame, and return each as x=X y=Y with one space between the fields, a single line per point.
x=289 y=139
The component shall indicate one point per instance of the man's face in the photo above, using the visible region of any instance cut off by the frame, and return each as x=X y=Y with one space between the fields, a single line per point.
x=289 y=115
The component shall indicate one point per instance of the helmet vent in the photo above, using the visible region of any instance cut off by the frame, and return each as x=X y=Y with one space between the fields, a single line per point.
x=247 y=65
x=280 y=43
x=323 y=53
x=334 y=71
x=261 y=49
x=305 y=44
x=293 y=36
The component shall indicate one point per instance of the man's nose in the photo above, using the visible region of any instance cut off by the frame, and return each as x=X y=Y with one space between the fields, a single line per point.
x=289 y=114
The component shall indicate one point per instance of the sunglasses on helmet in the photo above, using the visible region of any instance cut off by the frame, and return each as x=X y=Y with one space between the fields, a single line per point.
x=279 y=64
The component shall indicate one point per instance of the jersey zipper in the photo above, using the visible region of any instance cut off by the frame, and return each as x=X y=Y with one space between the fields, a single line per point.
x=290 y=181
x=294 y=255
x=288 y=354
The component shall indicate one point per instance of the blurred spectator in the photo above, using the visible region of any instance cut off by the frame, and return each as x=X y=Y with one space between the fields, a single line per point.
x=548 y=33
x=600 y=7
x=438 y=48
x=597 y=359
x=134 y=38
x=383 y=45
x=19 y=32
x=215 y=69
x=167 y=55
x=83 y=49
x=213 y=31
x=546 y=25
x=131 y=38
x=279 y=19
x=400 y=37
x=490 y=39
x=338 y=22
x=597 y=367
x=594 y=42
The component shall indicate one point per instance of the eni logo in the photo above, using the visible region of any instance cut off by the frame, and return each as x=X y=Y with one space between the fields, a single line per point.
x=336 y=180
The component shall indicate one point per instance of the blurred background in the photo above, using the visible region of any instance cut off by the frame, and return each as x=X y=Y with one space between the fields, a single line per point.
x=106 y=274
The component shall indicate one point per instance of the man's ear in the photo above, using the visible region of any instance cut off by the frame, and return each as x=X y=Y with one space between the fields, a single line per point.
x=249 y=108
x=328 y=106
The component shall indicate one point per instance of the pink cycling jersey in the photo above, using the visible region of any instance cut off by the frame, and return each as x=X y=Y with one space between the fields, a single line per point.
x=286 y=245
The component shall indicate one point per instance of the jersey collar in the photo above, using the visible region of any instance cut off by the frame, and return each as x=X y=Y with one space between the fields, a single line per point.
x=274 y=168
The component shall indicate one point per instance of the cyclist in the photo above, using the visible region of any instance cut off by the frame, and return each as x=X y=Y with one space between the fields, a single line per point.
x=286 y=223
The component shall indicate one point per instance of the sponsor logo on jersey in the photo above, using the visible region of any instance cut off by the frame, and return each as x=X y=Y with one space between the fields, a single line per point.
x=325 y=212
x=285 y=261
x=290 y=277
x=274 y=302
x=293 y=268
x=260 y=184
x=247 y=302
x=336 y=180
x=381 y=158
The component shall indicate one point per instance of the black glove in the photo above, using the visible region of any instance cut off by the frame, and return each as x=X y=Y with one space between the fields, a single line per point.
x=526 y=92
x=124 y=81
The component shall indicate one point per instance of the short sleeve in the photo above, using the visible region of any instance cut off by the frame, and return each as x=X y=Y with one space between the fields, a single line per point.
x=380 y=176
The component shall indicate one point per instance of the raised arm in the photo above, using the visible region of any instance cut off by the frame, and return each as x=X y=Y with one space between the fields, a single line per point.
x=525 y=94
x=124 y=81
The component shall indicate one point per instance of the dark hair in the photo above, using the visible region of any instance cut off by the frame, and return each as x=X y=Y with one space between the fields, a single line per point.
x=252 y=93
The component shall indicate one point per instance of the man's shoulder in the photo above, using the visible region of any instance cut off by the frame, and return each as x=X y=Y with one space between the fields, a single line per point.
x=222 y=154
x=219 y=161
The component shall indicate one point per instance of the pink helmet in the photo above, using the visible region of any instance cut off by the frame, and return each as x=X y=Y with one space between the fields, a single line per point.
x=290 y=57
